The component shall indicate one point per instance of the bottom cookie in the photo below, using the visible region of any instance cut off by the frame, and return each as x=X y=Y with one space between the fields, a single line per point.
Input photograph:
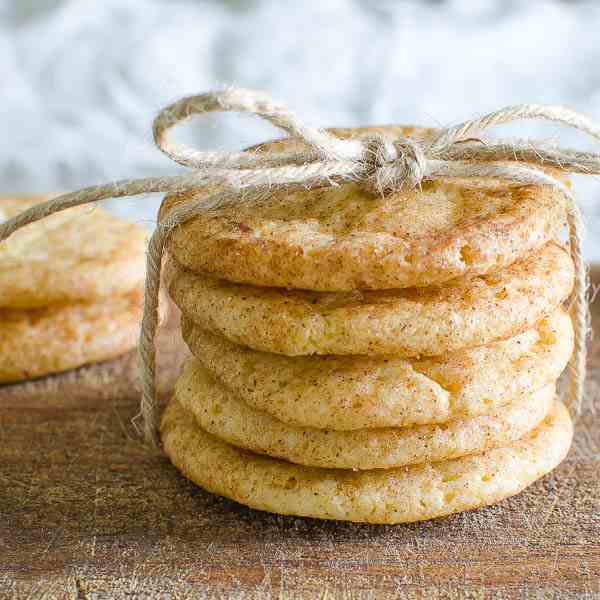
x=107 y=380
x=101 y=381
x=39 y=342
x=397 y=495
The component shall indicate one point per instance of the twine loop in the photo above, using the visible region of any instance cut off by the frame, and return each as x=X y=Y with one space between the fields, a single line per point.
x=321 y=159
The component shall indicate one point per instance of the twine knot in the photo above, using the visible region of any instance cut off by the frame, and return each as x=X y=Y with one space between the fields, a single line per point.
x=393 y=165
x=325 y=160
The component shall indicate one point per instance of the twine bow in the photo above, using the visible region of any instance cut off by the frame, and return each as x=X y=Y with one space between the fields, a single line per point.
x=325 y=160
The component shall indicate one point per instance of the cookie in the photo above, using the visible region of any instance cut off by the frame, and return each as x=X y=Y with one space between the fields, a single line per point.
x=79 y=254
x=37 y=342
x=380 y=496
x=406 y=322
x=359 y=392
x=343 y=237
x=104 y=381
x=221 y=414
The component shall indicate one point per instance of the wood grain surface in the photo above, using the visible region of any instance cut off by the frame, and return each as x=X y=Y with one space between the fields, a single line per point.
x=86 y=512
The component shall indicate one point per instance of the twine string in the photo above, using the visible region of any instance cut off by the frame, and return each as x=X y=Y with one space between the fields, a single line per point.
x=324 y=160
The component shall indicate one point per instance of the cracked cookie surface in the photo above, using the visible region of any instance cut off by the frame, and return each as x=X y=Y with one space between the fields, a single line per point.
x=343 y=238
x=405 y=322
x=219 y=412
x=358 y=392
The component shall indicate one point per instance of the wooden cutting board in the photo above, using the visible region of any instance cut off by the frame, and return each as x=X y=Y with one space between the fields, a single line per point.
x=86 y=512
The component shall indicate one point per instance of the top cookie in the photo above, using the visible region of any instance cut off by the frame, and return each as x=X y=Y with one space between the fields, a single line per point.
x=343 y=238
x=79 y=254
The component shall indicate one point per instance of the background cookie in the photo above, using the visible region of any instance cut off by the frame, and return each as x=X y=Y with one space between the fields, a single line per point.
x=47 y=340
x=408 y=322
x=389 y=496
x=104 y=381
x=358 y=392
x=344 y=238
x=220 y=413
x=79 y=254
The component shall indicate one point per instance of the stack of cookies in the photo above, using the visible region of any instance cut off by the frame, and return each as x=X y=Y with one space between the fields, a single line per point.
x=70 y=290
x=372 y=358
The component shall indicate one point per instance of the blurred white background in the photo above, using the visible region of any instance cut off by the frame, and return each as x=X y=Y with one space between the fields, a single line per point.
x=82 y=79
